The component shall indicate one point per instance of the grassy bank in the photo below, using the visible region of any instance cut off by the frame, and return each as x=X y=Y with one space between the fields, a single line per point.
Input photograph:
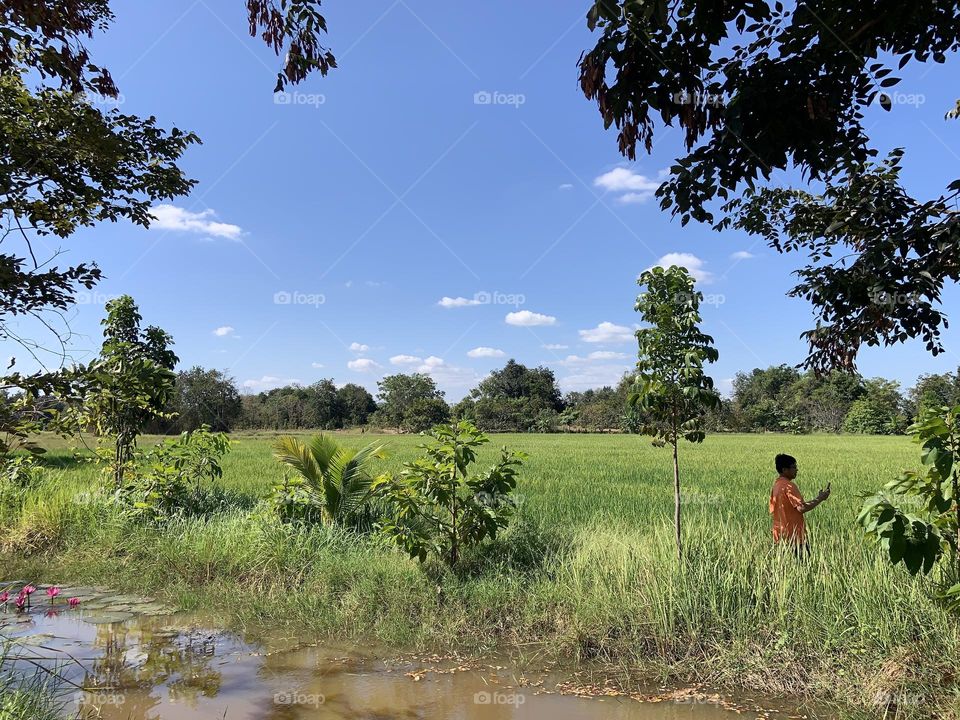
x=588 y=571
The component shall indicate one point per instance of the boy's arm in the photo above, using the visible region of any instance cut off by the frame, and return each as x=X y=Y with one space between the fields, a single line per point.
x=796 y=499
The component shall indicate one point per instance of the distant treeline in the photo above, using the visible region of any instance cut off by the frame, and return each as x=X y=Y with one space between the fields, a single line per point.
x=516 y=398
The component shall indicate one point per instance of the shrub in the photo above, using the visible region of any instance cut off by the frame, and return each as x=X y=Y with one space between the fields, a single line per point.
x=437 y=508
x=333 y=483
x=167 y=481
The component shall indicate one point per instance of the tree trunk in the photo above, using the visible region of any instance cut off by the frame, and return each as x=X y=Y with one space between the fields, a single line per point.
x=676 y=500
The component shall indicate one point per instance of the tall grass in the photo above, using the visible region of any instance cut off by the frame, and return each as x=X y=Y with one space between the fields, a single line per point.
x=23 y=697
x=587 y=572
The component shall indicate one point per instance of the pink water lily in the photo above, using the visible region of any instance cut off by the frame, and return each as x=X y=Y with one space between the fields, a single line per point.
x=4 y=596
x=21 y=601
x=28 y=590
x=52 y=592
x=74 y=601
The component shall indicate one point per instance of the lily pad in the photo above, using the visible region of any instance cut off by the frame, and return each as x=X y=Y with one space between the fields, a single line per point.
x=35 y=640
x=106 y=618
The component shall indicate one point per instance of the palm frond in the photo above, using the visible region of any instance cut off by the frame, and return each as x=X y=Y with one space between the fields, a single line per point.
x=293 y=453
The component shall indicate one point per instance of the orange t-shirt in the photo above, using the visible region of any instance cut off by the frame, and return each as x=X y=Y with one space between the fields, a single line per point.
x=785 y=506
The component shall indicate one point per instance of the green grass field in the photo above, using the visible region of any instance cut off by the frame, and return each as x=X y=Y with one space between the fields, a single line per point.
x=587 y=572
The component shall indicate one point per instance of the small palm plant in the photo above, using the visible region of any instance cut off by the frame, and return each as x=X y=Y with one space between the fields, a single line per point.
x=334 y=483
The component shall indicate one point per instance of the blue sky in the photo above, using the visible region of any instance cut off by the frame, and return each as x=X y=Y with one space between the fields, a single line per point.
x=443 y=201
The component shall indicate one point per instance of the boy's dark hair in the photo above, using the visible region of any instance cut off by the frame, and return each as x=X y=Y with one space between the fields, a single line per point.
x=784 y=461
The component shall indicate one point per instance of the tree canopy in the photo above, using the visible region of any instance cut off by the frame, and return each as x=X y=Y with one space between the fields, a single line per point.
x=758 y=88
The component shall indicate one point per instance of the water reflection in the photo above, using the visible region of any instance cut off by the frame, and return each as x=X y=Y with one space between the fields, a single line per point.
x=167 y=668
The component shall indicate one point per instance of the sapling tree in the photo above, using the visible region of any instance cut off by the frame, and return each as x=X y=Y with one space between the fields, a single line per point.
x=671 y=392
x=916 y=518
x=438 y=507
x=128 y=385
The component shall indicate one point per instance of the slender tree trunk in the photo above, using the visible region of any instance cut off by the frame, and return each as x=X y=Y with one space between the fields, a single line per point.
x=454 y=550
x=956 y=506
x=676 y=499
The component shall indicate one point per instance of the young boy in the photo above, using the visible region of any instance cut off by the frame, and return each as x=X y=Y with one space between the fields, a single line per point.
x=788 y=507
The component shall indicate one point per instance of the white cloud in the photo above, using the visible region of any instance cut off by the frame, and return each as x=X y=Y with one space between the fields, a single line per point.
x=742 y=255
x=359 y=347
x=525 y=318
x=607 y=355
x=637 y=188
x=599 y=368
x=223 y=331
x=405 y=360
x=566 y=186
x=171 y=217
x=555 y=346
x=316 y=365
x=596 y=356
x=485 y=352
x=363 y=365
x=593 y=377
x=607 y=332
x=693 y=264
x=449 y=302
x=446 y=375
x=268 y=382
x=725 y=387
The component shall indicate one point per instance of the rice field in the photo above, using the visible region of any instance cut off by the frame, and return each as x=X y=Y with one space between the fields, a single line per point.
x=586 y=575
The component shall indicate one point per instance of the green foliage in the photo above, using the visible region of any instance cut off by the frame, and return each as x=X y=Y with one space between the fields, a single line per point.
x=516 y=398
x=127 y=386
x=355 y=404
x=915 y=518
x=409 y=403
x=18 y=475
x=758 y=88
x=935 y=391
x=333 y=484
x=436 y=507
x=601 y=409
x=879 y=412
x=204 y=397
x=671 y=390
x=168 y=480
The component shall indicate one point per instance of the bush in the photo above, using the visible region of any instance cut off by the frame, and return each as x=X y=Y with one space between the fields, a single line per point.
x=436 y=508
x=167 y=481
x=332 y=484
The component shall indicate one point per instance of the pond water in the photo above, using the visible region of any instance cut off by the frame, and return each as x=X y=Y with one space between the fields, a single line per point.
x=125 y=657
